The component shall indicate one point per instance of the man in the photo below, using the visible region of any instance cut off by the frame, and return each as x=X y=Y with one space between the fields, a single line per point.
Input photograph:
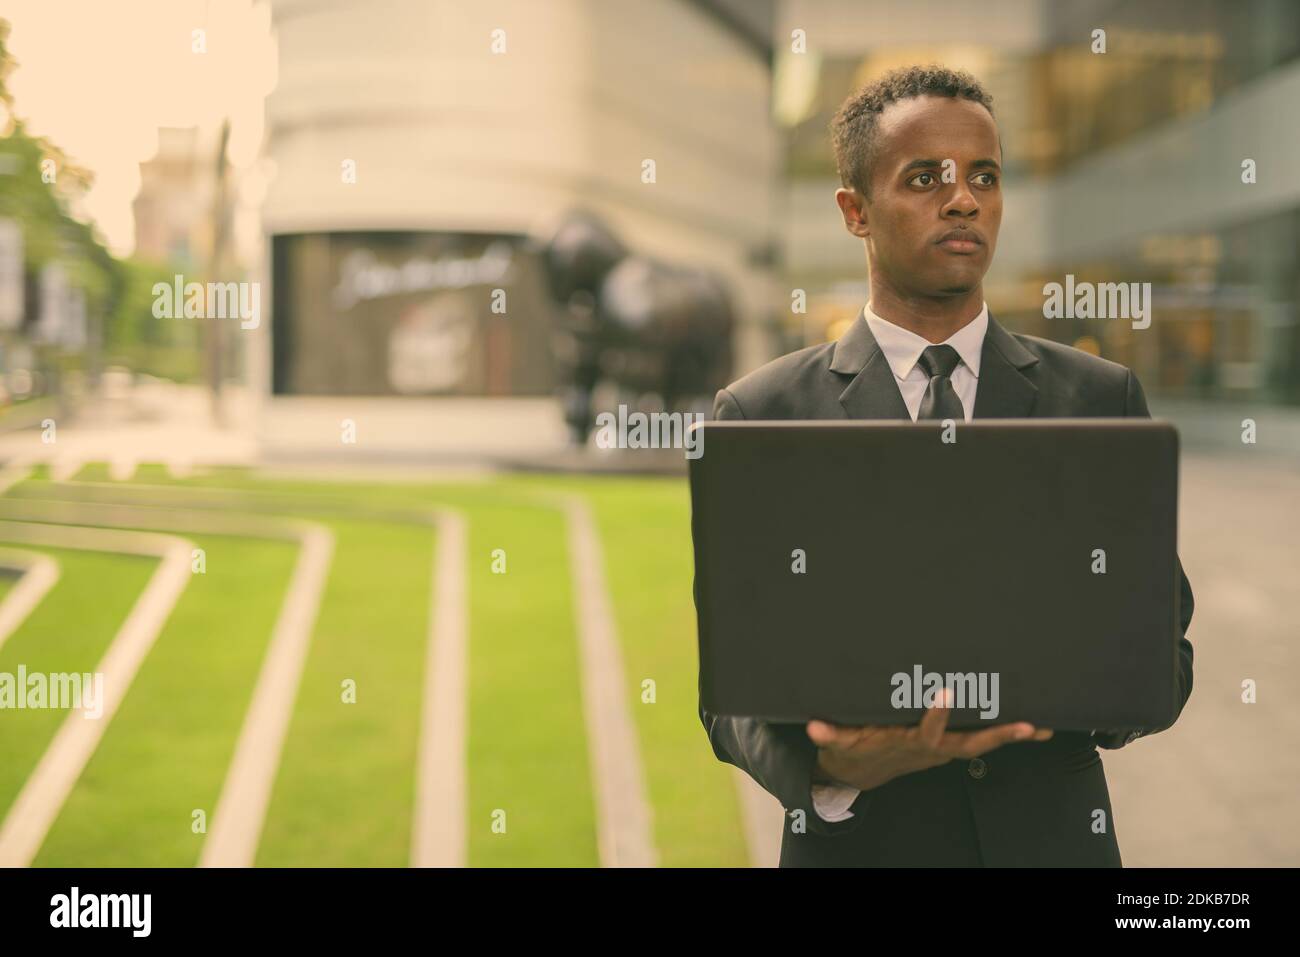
x=920 y=162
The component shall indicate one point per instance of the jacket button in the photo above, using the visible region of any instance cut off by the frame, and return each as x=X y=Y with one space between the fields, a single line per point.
x=977 y=768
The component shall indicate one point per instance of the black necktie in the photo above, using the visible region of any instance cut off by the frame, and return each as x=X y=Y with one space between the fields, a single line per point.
x=940 y=400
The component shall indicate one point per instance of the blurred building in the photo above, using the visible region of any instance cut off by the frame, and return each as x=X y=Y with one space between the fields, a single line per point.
x=422 y=147
x=1119 y=166
x=173 y=209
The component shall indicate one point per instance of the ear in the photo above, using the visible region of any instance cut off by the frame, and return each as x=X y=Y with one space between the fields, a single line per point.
x=854 y=210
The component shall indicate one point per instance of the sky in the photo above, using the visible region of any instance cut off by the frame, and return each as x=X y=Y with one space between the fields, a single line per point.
x=99 y=78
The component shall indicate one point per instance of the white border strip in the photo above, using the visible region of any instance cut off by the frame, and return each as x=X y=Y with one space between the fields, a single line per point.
x=624 y=819
x=38 y=803
x=39 y=575
x=241 y=809
x=438 y=836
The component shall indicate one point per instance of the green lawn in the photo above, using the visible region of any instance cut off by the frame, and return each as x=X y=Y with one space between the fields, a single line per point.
x=527 y=744
x=527 y=750
x=645 y=529
x=68 y=632
x=166 y=751
x=346 y=786
x=345 y=789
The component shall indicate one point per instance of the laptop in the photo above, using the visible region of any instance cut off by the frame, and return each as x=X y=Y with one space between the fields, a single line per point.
x=851 y=571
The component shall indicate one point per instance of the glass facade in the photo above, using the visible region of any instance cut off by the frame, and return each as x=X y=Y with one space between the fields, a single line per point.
x=1226 y=294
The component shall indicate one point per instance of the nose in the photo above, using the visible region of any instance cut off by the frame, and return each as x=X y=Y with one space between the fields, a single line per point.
x=962 y=203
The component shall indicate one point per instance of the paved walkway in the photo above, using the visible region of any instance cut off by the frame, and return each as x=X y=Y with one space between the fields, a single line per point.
x=1222 y=787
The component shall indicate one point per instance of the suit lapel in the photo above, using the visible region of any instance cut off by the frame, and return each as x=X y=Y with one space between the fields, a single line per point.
x=1003 y=391
x=873 y=392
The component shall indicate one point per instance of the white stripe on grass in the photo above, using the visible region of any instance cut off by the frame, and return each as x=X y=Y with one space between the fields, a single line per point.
x=241 y=809
x=438 y=837
x=43 y=794
x=39 y=573
x=623 y=811
x=624 y=822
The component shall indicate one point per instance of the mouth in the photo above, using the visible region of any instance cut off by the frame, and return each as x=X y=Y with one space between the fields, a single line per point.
x=960 y=241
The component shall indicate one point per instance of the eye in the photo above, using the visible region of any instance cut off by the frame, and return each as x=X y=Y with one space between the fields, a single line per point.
x=990 y=179
x=927 y=177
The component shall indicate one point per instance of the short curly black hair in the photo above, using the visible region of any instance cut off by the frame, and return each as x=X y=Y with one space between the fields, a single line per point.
x=853 y=131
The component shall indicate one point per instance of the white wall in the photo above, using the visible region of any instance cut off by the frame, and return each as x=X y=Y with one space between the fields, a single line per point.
x=448 y=135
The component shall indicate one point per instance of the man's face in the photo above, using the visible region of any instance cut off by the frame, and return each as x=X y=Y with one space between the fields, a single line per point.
x=919 y=203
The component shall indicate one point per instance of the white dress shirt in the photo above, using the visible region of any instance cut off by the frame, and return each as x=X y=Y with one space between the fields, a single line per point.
x=902 y=349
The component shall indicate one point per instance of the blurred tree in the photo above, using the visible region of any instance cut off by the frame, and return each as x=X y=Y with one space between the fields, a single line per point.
x=118 y=292
x=135 y=338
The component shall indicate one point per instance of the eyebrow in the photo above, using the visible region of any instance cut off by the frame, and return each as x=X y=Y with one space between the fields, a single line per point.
x=934 y=163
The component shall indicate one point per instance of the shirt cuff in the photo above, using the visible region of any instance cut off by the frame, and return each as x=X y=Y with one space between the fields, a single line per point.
x=832 y=801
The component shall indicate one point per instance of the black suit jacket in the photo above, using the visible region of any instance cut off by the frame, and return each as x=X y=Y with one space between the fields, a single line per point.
x=1025 y=804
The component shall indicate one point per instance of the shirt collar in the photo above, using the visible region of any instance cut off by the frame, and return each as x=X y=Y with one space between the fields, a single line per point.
x=903 y=348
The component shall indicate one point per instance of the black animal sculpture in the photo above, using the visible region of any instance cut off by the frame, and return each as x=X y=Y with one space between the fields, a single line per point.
x=645 y=325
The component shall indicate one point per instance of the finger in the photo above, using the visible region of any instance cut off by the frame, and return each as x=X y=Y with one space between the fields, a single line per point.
x=827 y=735
x=1042 y=734
x=822 y=733
x=971 y=744
x=935 y=721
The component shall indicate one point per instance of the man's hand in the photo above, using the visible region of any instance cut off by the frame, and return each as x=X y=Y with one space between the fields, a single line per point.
x=867 y=757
